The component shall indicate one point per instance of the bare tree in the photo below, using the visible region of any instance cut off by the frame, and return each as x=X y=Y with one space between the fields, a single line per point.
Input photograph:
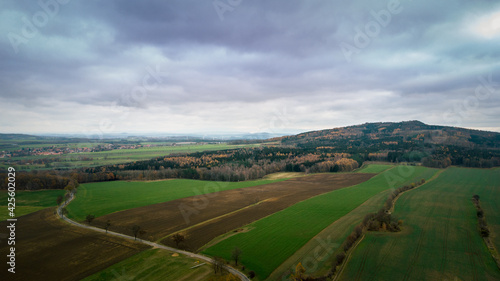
x=107 y=225
x=236 y=255
x=178 y=238
x=89 y=218
x=136 y=229
x=218 y=264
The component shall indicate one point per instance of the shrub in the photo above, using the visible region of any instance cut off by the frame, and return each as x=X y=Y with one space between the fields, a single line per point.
x=480 y=213
x=485 y=232
x=374 y=226
x=358 y=230
x=339 y=258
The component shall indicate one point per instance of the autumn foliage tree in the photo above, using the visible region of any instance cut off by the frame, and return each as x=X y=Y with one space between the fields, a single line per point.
x=299 y=274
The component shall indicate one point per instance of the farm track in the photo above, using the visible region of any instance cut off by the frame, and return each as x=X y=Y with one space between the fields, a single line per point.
x=49 y=249
x=148 y=243
x=214 y=214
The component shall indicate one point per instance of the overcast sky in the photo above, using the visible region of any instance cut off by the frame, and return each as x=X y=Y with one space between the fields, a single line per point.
x=246 y=66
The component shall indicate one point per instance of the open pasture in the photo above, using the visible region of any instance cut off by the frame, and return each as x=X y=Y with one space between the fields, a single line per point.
x=272 y=240
x=440 y=239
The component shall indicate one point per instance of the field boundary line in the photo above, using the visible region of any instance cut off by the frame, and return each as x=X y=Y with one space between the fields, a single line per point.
x=59 y=214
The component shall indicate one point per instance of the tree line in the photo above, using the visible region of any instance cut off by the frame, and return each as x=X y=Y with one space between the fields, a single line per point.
x=484 y=230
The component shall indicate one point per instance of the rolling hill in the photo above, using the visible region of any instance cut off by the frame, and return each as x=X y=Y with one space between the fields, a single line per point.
x=409 y=141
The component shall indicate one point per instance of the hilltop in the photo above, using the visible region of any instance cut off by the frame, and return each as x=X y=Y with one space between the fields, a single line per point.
x=405 y=132
x=405 y=141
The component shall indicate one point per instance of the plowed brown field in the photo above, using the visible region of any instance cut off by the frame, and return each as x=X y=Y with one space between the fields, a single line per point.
x=204 y=217
x=50 y=249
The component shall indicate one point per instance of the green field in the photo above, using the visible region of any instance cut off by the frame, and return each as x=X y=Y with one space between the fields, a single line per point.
x=318 y=253
x=155 y=265
x=374 y=168
x=277 y=237
x=440 y=240
x=103 y=198
x=29 y=201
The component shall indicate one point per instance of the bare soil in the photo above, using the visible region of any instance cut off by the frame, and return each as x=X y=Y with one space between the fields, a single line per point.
x=50 y=249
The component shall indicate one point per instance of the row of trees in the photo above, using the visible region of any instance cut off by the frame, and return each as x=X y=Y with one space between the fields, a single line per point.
x=219 y=263
x=483 y=225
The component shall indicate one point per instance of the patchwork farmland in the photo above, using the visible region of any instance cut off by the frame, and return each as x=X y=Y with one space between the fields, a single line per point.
x=296 y=221
x=283 y=219
x=104 y=198
x=203 y=217
x=275 y=238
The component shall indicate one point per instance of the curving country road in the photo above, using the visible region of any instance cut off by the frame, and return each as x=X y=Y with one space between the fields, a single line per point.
x=241 y=275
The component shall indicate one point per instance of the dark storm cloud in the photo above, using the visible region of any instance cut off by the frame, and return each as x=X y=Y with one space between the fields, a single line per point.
x=179 y=58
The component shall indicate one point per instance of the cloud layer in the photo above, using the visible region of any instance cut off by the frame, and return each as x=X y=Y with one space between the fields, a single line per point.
x=246 y=66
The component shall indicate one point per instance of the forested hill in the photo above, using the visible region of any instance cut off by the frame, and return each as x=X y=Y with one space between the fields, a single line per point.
x=404 y=133
x=440 y=146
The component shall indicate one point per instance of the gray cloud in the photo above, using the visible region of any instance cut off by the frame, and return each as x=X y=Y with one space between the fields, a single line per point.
x=176 y=66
